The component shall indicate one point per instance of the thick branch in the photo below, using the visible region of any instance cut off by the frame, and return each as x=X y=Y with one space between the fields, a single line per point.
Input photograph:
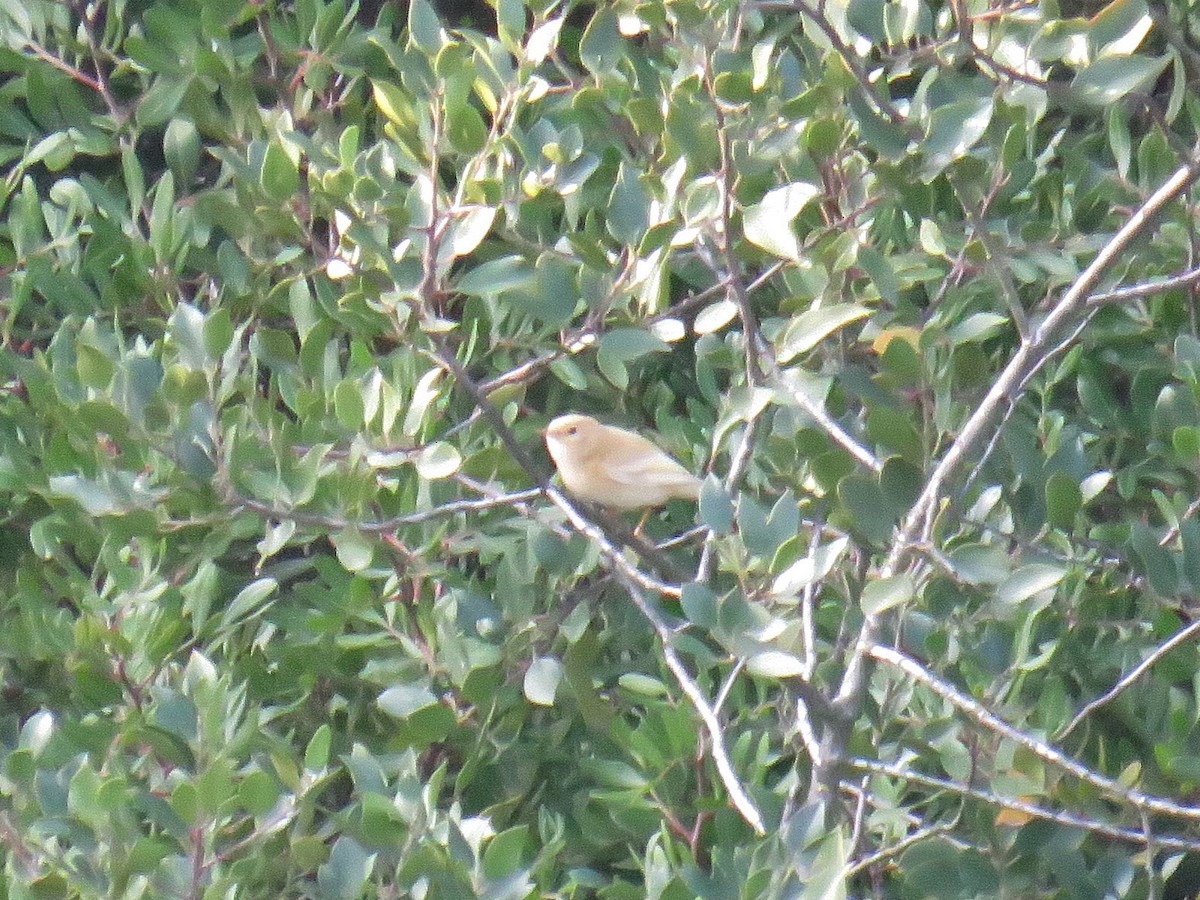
x=1030 y=356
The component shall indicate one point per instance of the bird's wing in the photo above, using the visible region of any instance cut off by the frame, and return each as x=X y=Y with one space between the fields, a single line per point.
x=642 y=462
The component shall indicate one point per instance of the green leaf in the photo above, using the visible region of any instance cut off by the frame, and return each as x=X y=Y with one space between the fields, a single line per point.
x=1157 y=561
x=438 y=460
x=402 y=700
x=1119 y=140
x=554 y=296
x=628 y=206
x=542 y=679
x=601 y=46
x=775 y=664
x=1063 y=500
x=870 y=513
x=884 y=593
x=160 y=103
x=882 y=274
x=471 y=228
x=643 y=686
x=504 y=852
x=354 y=551
x=348 y=404
x=1185 y=439
x=316 y=754
x=510 y=22
x=95 y=367
x=569 y=373
x=980 y=563
x=251 y=601
x=867 y=18
x=279 y=176
x=700 y=605
x=826 y=880
x=715 y=317
x=466 y=129
x=258 y=793
x=424 y=27
x=1027 y=581
x=932 y=241
x=95 y=499
x=162 y=218
x=394 y=103
x=542 y=41
x=1118 y=21
x=809 y=569
x=181 y=146
x=1112 y=78
x=497 y=276
x=952 y=131
x=345 y=874
x=622 y=345
x=977 y=327
x=768 y=223
x=716 y=506
x=810 y=328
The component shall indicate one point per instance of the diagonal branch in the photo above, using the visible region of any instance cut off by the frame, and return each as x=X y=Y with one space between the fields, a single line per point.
x=1029 y=357
x=1130 y=835
x=882 y=105
x=1134 y=674
x=712 y=725
x=989 y=720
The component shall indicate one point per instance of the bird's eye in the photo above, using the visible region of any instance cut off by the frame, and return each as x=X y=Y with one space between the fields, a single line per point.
x=573 y=430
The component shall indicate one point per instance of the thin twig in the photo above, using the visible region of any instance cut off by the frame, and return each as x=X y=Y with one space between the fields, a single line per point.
x=989 y=720
x=712 y=725
x=785 y=380
x=1131 y=835
x=850 y=59
x=1134 y=674
x=1173 y=531
x=808 y=631
x=921 y=834
x=1149 y=289
x=238 y=500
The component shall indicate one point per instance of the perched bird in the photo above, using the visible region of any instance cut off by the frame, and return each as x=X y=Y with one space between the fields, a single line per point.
x=615 y=467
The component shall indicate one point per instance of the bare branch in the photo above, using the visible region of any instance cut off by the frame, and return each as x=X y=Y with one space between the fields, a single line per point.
x=1044 y=751
x=379 y=526
x=1134 y=674
x=1030 y=356
x=608 y=549
x=882 y=105
x=827 y=423
x=1130 y=835
x=1149 y=289
x=712 y=725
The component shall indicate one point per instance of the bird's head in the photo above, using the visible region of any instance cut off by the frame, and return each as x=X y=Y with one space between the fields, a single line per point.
x=573 y=433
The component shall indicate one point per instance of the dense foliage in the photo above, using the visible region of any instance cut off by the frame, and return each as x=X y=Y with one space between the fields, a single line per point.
x=289 y=606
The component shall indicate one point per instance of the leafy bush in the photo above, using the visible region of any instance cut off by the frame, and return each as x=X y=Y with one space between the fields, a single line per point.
x=290 y=606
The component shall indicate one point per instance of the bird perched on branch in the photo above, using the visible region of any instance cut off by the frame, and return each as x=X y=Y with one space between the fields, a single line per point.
x=614 y=467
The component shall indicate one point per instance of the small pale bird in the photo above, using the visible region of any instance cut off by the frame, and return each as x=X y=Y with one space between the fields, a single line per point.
x=614 y=467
